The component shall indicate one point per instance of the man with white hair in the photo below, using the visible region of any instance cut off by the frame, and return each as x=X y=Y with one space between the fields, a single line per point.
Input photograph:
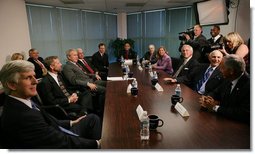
x=232 y=98
x=25 y=125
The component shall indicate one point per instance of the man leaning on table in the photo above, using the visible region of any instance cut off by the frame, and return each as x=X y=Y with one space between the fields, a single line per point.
x=232 y=98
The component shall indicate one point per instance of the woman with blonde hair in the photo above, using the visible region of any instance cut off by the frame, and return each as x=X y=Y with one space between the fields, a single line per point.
x=235 y=45
x=164 y=61
x=17 y=56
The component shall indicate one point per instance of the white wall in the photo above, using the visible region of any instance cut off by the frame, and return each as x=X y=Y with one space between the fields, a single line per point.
x=14 y=29
x=239 y=20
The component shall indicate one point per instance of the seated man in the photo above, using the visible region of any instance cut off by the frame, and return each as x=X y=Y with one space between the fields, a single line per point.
x=206 y=77
x=151 y=55
x=77 y=77
x=100 y=61
x=186 y=66
x=58 y=93
x=232 y=98
x=26 y=125
x=34 y=58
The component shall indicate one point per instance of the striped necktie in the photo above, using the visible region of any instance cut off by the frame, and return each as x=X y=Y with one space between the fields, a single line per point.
x=205 y=78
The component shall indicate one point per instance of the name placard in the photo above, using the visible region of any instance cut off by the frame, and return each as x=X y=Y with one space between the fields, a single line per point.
x=158 y=87
x=129 y=89
x=139 y=111
x=183 y=112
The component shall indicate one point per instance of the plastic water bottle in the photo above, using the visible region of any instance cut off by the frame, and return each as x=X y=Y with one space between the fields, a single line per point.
x=143 y=62
x=127 y=69
x=145 y=126
x=155 y=75
x=134 y=83
x=150 y=67
x=178 y=90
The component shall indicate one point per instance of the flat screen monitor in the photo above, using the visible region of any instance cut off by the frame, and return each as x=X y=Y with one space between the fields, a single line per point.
x=211 y=12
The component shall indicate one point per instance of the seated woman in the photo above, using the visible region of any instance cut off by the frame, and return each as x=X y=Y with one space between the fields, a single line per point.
x=151 y=55
x=235 y=45
x=128 y=52
x=17 y=56
x=164 y=61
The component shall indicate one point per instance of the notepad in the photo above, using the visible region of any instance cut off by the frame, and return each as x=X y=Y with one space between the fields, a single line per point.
x=183 y=112
x=158 y=87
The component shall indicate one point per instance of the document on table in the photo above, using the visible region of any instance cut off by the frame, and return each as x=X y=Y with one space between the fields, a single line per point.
x=128 y=62
x=115 y=78
x=129 y=88
x=181 y=110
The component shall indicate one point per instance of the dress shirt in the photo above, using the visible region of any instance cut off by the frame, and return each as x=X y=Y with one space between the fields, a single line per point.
x=216 y=38
x=54 y=76
x=27 y=102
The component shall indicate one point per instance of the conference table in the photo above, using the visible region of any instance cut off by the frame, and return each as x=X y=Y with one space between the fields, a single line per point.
x=201 y=130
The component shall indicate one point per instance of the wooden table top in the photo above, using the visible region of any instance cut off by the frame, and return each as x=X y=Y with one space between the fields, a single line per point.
x=201 y=130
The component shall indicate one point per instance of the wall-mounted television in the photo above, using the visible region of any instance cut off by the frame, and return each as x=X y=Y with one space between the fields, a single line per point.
x=211 y=12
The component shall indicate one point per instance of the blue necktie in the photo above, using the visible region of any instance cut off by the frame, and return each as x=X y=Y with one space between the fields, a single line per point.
x=205 y=78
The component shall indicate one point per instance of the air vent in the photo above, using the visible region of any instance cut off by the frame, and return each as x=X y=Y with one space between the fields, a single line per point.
x=72 y=1
x=135 y=4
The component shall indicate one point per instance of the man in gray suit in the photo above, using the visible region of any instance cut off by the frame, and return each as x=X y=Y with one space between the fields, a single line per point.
x=75 y=76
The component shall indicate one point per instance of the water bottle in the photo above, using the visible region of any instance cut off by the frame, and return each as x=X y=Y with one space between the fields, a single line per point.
x=143 y=62
x=137 y=60
x=150 y=67
x=178 y=90
x=134 y=83
x=122 y=61
x=155 y=75
x=145 y=126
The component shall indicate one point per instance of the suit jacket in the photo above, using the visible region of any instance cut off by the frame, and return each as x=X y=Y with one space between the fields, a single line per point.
x=188 y=68
x=75 y=76
x=131 y=54
x=213 y=82
x=89 y=63
x=38 y=69
x=237 y=104
x=23 y=127
x=147 y=56
x=100 y=62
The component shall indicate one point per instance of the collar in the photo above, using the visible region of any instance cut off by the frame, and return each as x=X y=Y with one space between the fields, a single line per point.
x=217 y=37
x=27 y=102
x=234 y=82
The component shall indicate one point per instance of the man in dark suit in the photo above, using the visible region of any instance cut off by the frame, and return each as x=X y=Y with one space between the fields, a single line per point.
x=150 y=56
x=58 y=93
x=207 y=77
x=34 y=58
x=128 y=52
x=89 y=68
x=232 y=98
x=26 y=125
x=215 y=42
x=75 y=76
x=186 y=66
x=198 y=42
x=100 y=61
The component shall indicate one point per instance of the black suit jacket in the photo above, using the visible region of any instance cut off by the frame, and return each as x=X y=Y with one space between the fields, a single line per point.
x=23 y=127
x=101 y=63
x=38 y=69
x=213 y=82
x=188 y=68
x=237 y=104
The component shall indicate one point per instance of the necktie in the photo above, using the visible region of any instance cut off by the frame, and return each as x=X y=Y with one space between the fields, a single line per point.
x=87 y=66
x=180 y=69
x=205 y=78
x=62 y=86
x=34 y=106
x=126 y=56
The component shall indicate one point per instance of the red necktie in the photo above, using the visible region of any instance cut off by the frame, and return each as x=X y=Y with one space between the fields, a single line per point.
x=87 y=66
x=126 y=57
